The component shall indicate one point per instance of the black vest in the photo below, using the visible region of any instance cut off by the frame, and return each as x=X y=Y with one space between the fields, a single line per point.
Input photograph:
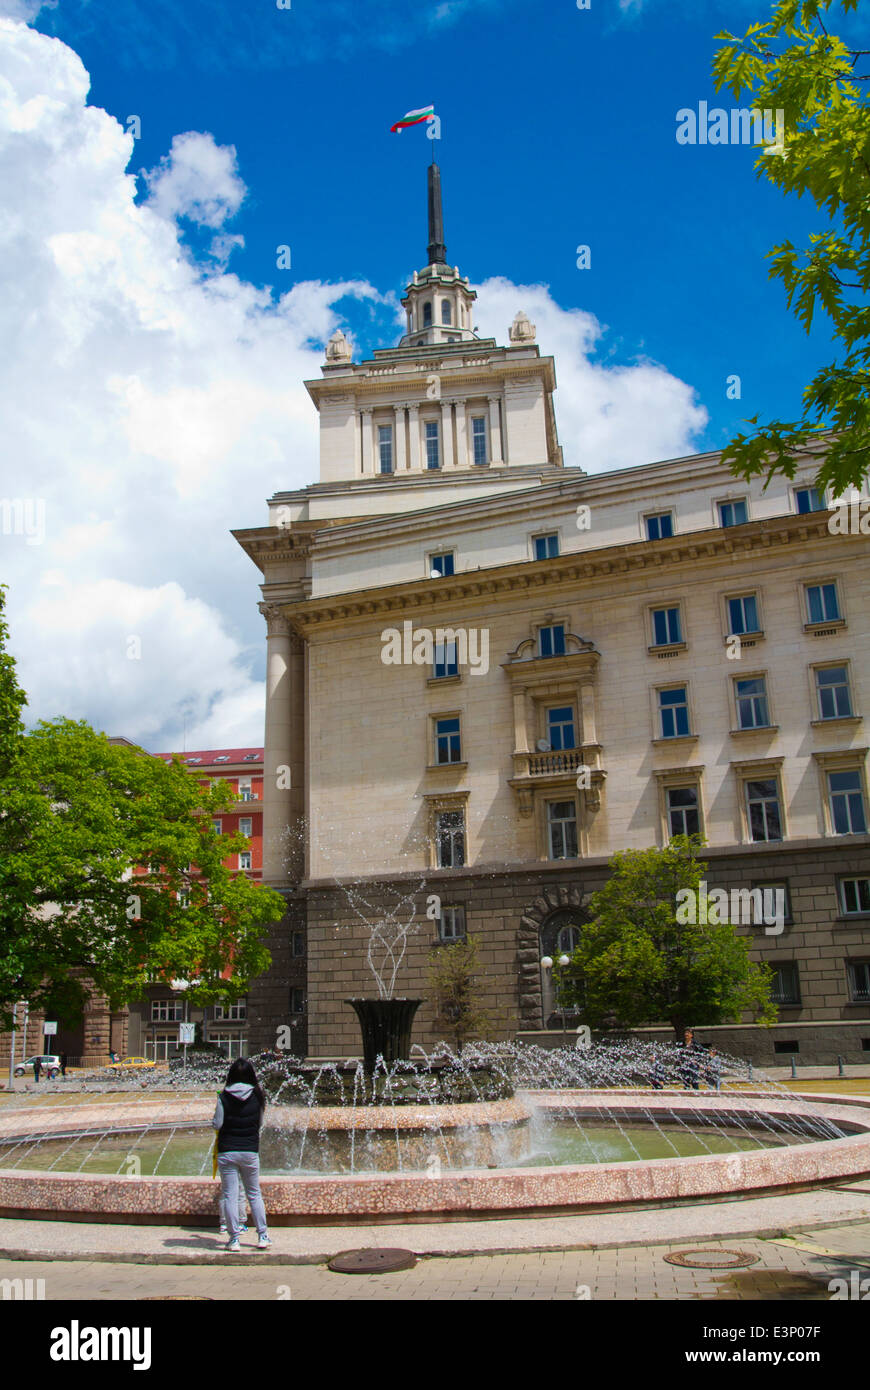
x=240 y=1131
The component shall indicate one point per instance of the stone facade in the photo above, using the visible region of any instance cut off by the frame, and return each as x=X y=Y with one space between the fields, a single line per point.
x=600 y=599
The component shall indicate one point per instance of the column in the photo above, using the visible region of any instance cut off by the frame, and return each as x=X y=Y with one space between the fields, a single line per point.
x=400 y=462
x=282 y=714
x=366 y=440
x=494 y=431
x=461 y=435
x=521 y=739
x=446 y=434
x=414 y=423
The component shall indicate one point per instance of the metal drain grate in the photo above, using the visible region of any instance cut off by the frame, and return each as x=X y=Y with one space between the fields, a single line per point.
x=712 y=1257
x=374 y=1261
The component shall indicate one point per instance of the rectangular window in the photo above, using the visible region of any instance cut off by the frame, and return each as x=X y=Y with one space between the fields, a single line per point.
x=298 y=1001
x=546 y=547
x=733 y=513
x=859 y=981
x=674 y=712
x=855 y=895
x=385 y=447
x=447 y=741
x=245 y=792
x=743 y=614
x=683 y=815
x=660 y=526
x=183 y=897
x=217 y=826
x=750 y=699
x=450 y=839
x=245 y=861
x=785 y=988
x=231 y=1012
x=551 y=640
x=245 y=825
x=822 y=604
x=832 y=683
x=480 y=453
x=562 y=829
x=232 y=1045
x=167 y=1010
x=298 y=944
x=159 y=1047
x=451 y=926
x=808 y=499
x=433 y=451
x=667 y=629
x=762 y=808
x=560 y=728
x=847 y=803
x=446 y=663
x=441 y=564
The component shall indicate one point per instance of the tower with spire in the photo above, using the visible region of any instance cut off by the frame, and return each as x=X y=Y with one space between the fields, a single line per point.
x=444 y=402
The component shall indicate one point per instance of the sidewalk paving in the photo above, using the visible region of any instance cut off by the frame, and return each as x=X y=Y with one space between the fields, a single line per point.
x=299 y=1245
x=639 y=1273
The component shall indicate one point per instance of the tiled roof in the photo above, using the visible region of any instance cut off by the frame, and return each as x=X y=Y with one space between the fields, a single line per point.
x=211 y=757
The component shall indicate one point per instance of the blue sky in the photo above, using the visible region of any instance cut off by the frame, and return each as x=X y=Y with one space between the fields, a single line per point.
x=558 y=128
x=151 y=384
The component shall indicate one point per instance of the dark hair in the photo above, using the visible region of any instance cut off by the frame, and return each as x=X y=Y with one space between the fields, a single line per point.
x=242 y=1070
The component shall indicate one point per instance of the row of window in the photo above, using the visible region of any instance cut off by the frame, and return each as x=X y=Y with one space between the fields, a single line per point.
x=172 y=1011
x=480 y=453
x=846 y=808
x=734 y=512
x=786 y=982
x=751 y=707
x=743 y=614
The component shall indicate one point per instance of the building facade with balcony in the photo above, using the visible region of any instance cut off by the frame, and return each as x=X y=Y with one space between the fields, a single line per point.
x=487 y=672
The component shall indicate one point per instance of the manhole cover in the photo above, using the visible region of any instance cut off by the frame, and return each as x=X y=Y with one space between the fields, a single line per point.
x=372 y=1261
x=712 y=1257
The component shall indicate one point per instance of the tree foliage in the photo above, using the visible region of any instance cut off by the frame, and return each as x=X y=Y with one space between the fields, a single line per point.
x=96 y=842
x=635 y=959
x=454 y=973
x=794 y=64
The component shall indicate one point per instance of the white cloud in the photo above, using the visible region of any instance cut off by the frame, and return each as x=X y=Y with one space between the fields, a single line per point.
x=198 y=179
x=149 y=406
x=608 y=416
x=24 y=9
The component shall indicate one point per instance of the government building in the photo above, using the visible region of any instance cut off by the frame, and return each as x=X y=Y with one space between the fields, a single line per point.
x=488 y=670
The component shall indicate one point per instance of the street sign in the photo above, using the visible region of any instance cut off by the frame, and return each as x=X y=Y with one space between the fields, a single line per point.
x=49 y=1029
x=186 y=1032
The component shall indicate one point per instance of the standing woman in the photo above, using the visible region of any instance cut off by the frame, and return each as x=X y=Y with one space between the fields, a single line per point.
x=237 y=1119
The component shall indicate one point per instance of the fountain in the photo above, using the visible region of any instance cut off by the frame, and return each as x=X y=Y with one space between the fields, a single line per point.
x=499 y=1128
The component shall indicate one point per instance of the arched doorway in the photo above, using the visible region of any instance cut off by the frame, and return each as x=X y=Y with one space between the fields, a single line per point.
x=559 y=934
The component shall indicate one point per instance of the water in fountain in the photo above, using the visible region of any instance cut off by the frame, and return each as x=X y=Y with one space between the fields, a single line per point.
x=407 y=1114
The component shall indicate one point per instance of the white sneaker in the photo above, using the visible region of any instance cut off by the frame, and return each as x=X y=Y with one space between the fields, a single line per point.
x=223 y=1231
x=233 y=1246
x=264 y=1242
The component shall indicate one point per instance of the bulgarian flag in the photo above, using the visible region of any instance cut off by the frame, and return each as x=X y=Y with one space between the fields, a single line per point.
x=426 y=113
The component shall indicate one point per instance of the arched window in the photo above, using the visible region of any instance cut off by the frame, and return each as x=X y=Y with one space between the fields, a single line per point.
x=446 y=313
x=559 y=934
x=427 y=314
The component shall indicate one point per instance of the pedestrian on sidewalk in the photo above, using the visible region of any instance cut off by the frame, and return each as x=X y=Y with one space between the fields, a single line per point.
x=237 y=1118
x=63 y=1065
x=37 y=1067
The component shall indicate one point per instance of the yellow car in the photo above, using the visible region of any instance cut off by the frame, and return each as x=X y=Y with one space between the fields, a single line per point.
x=133 y=1062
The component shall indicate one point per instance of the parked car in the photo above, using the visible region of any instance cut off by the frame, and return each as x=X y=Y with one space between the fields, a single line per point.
x=133 y=1062
x=50 y=1065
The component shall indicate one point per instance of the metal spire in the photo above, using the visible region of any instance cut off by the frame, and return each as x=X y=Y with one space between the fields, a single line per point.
x=436 y=250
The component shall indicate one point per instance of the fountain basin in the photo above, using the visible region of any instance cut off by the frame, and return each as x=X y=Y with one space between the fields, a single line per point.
x=455 y=1194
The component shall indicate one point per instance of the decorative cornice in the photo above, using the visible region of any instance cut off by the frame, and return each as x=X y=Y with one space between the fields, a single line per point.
x=539 y=578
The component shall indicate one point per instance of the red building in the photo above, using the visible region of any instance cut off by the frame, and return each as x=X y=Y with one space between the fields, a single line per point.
x=153 y=1028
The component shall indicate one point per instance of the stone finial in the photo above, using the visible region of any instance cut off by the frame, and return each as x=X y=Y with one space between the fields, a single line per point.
x=521 y=331
x=338 y=348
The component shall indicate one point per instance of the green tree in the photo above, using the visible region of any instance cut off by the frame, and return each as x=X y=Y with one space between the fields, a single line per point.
x=637 y=960
x=794 y=64
x=454 y=973
x=97 y=840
